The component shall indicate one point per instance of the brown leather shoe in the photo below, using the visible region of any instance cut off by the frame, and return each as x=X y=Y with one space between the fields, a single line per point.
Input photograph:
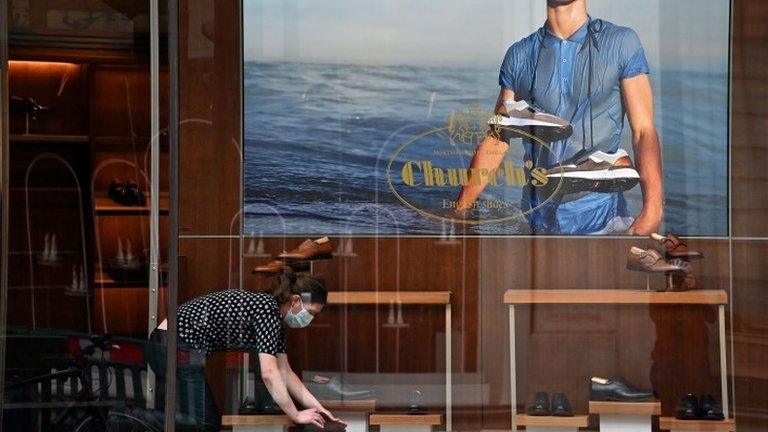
x=274 y=267
x=650 y=261
x=310 y=250
x=675 y=247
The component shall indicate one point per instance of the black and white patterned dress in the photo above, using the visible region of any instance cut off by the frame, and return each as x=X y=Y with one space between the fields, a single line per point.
x=233 y=320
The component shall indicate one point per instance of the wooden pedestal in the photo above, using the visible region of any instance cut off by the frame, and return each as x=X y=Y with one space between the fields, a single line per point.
x=552 y=424
x=625 y=416
x=406 y=422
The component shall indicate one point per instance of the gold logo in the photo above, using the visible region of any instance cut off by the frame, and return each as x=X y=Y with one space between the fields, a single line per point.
x=469 y=126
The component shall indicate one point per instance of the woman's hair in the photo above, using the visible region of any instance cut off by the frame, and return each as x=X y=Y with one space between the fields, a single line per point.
x=290 y=283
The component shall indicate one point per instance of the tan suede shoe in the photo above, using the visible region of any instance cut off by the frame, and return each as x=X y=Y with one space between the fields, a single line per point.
x=310 y=250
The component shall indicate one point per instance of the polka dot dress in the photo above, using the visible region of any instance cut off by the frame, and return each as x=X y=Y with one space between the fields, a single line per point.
x=233 y=320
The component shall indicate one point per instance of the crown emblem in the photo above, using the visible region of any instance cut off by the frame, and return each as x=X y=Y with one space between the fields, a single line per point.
x=469 y=126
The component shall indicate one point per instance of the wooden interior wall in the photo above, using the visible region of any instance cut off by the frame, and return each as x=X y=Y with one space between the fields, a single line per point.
x=749 y=182
x=669 y=348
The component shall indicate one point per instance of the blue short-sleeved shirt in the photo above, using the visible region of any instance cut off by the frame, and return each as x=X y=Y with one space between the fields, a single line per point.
x=560 y=69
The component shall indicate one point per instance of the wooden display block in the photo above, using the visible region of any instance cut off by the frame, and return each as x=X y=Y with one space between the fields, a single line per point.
x=387 y=297
x=354 y=413
x=625 y=416
x=406 y=422
x=256 y=423
x=672 y=424
x=552 y=424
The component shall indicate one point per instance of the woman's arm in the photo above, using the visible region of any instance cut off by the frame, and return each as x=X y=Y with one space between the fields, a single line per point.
x=298 y=390
x=273 y=379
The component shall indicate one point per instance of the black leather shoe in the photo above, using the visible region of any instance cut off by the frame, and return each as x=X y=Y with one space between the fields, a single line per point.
x=540 y=405
x=616 y=390
x=248 y=407
x=708 y=409
x=560 y=406
x=688 y=409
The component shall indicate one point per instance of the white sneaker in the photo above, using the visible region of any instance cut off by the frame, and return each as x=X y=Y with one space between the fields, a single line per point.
x=598 y=172
x=532 y=121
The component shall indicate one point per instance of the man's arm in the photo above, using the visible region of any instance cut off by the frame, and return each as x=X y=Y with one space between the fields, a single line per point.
x=489 y=155
x=638 y=100
x=299 y=391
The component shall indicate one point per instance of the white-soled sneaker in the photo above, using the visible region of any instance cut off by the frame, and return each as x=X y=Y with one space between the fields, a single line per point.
x=532 y=121
x=598 y=172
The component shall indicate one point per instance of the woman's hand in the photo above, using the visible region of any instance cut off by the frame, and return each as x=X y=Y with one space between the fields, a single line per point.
x=310 y=416
x=327 y=414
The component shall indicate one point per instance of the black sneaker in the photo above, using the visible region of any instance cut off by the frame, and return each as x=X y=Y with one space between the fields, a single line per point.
x=597 y=172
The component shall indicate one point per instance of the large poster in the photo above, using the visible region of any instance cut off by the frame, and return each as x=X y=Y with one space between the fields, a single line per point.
x=365 y=117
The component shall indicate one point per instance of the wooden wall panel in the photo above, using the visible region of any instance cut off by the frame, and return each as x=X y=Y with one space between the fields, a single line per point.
x=210 y=150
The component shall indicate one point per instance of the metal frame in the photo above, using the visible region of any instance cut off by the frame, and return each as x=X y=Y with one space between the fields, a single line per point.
x=4 y=161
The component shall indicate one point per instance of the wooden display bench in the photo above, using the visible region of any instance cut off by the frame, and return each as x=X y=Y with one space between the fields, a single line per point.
x=625 y=416
x=672 y=424
x=354 y=413
x=256 y=423
x=552 y=424
x=406 y=422
x=514 y=297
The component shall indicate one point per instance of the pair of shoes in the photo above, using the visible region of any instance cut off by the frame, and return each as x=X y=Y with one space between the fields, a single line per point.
x=616 y=390
x=674 y=247
x=126 y=193
x=704 y=408
x=651 y=261
x=560 y=407
x=596 y=172
x=299 y=258
x=331 y=389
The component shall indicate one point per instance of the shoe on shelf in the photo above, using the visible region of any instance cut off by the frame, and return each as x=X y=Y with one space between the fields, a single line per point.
x=597 y=172
x=560 y=406
x=688 y=408
x=248 y=407
x=675 y=247
x=523 y=120
x=310 y=250
x=708 y=409
x=616 y=390
x=331 y=389
x=651 y=261
x=539 y=406
x=136 y=196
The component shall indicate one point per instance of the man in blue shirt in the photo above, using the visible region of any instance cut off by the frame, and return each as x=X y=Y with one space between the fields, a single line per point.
x=590 y=72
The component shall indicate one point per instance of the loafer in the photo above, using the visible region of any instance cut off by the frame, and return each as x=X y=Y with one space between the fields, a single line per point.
x=708 y=409
x=560 y=406
x=675 y=247
x=310 y=250
x=616 y=390
x=688 y=408
x=539 y=406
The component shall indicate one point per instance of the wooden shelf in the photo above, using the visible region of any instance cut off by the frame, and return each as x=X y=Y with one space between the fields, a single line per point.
x=46 y=139
x=353 y=405
x=671 y=423
x=105 y=206
x=387 y=297
x=406 y=419
x=579 y=421
x=627 y=408
x=614 y=296
x=255 y=420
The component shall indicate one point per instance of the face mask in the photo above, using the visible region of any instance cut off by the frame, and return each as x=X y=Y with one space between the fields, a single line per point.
x=300 y=319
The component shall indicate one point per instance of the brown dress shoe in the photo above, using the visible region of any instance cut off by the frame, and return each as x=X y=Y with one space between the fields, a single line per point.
x=310 y=250
x=651 y=261
x=675 y=247
x=272 y=267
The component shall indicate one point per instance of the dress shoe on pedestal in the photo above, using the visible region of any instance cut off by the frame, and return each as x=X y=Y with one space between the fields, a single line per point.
x=248 y=407
x=675 y=247
x=310 y=250
x=688 y=409
x=274 y=267
x=651 y=261
x=325 y=388
x=539 y=406
x=616 y=390
x=708 y=409
x=560 y=406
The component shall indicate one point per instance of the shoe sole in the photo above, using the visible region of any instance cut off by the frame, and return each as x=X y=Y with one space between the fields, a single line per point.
x=545 y=133
x=647 y=270
x=576 y=182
